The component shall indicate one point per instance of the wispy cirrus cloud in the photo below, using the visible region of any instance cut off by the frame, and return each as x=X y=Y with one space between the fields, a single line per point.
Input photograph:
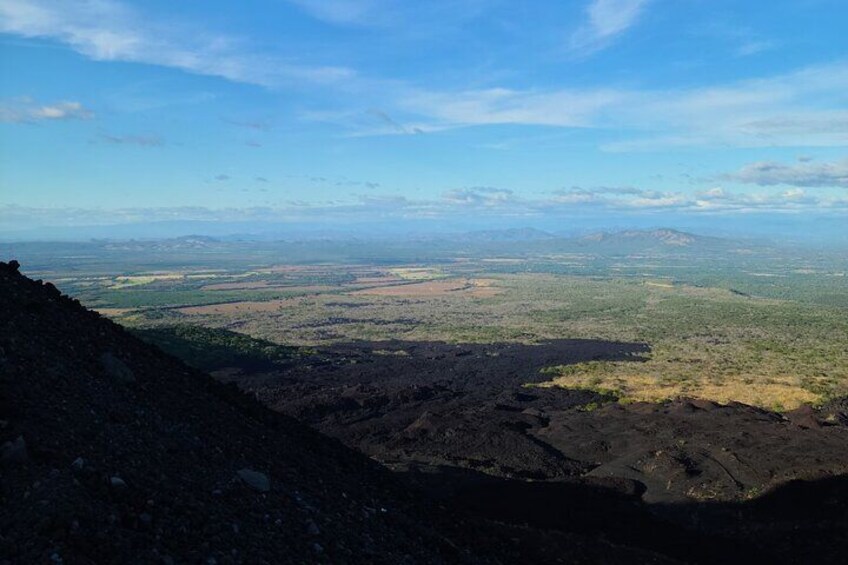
x=803 y=174
x=741 y=40
x=797 y=109
x=605 y=21
x=434 y=15
x=388 y=122
x=257 y=125
x=754 y=47
x=132 y=139
x=26 y=110
x=563 y=108
x=346 y=12
x=107 y=30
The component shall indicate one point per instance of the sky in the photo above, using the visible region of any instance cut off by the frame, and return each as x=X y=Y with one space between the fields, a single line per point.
x=453 y=112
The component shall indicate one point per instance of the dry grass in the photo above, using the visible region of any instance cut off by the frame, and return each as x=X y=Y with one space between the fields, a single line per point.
x=243 y=307
x=478 y=288
x=140 y=280
x=238 y=285
x=114 y=312
x=377 y=280
x=417 y=273
x=631 y=384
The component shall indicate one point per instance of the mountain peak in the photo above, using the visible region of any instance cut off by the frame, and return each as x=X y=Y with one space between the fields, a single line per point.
x=664 y=236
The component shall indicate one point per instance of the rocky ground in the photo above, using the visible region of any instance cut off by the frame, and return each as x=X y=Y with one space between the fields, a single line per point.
x=113 y=452
x=461 y=422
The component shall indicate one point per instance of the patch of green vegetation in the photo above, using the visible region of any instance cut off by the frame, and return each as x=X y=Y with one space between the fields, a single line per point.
x=209 y=349
x=148 y=297
x=761 y=325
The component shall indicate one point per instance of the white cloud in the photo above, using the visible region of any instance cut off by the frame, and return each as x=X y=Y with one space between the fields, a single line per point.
x=713 y=200
x=803 y=174
x=25 y=110
x=482 y=202
x=106 y=30
x=605 y=19
x=479 y=196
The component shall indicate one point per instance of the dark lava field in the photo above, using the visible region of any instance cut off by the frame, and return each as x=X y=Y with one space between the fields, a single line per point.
x=466 y=424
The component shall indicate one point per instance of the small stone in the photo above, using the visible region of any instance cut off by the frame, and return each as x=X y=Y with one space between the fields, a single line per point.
x=117 y=482
x=255 y=480
x=14 y=452
x=312 y=528
x=316 y=547
x=78 y=464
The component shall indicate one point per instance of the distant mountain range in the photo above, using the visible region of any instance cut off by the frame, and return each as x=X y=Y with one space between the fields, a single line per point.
x=662 y=236
x=603 y=240
x=513 y=242
x=823 y=231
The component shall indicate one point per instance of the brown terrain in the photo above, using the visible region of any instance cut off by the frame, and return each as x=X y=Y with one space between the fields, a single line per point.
x=242 y=307
x=480 y=288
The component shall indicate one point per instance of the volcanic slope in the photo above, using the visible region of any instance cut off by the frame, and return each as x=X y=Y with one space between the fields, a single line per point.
x=113 y=452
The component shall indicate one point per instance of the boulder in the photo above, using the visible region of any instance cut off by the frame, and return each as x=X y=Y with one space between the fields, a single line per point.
x=255 y=480
x=14 y=452
x=116 y=368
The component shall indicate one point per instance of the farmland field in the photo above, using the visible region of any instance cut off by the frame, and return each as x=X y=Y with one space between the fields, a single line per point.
x=748 y=324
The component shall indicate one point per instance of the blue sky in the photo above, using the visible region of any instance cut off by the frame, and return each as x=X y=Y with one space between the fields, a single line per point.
x=368 y=110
